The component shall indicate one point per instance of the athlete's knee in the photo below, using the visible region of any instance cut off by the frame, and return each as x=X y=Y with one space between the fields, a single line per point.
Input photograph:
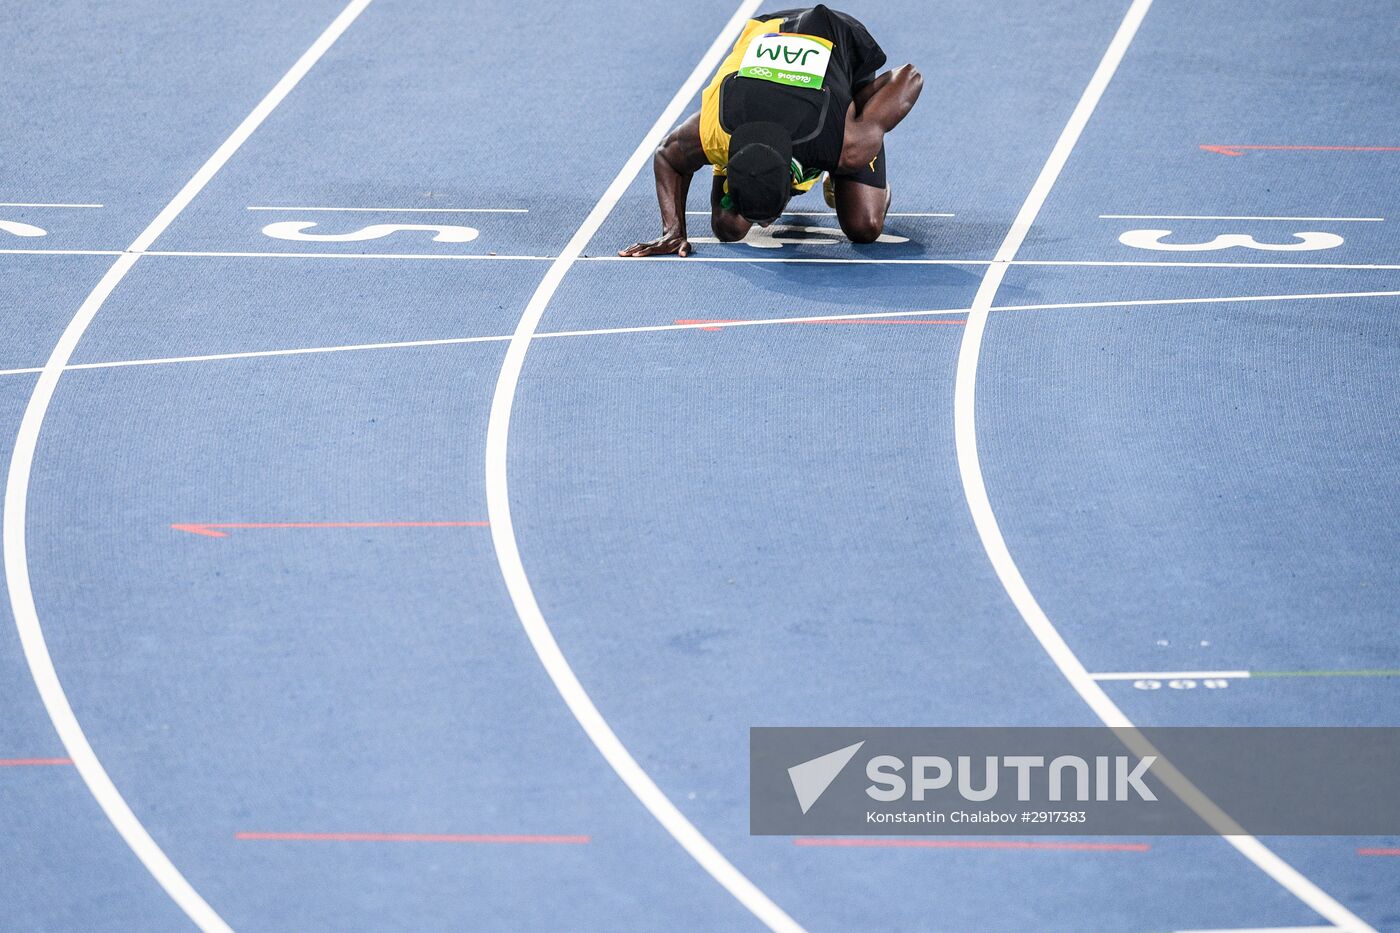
x=863 y=226
x=728 y=228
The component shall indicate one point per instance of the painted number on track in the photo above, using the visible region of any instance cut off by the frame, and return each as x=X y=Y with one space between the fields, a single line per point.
x=297 y=230
x=779 y=235
x=15 y=228
x=1210 y=683
x=1304 y=241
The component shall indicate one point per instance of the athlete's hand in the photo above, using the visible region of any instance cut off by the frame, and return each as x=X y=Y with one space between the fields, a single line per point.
x=664 y=245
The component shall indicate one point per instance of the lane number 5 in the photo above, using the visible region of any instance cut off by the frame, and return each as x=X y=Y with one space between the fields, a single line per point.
x=299 y=230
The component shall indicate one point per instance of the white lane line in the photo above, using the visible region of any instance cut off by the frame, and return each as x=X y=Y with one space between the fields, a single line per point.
x=805 y=259
x=1326 y=929
x=740 y=259
x=989 y=530
x=890 y=214
x=235 y=254
x=1203 y=265
x=1172 y=675
x=833 y=214
x=259 y=354
x=38 y=204
x=503 y=530
x=988 y=262
x=61 y=252
x=271 y=255
x=31 y=633
x=400 y=210
x=698 y=325
x=1222 y=217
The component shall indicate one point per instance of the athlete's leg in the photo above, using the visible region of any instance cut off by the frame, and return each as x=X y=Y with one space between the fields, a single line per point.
x=862 y=200
x=728 y=225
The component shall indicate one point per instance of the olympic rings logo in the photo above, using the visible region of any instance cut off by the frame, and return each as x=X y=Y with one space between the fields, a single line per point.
x=761 y=72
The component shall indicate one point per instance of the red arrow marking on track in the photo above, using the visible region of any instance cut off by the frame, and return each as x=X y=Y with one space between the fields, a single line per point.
x=856 y=321
x=1378 y=851
x=210 y=529
x=32 y=762
x=897 y=843
x=410 y=837
x=1237 y=150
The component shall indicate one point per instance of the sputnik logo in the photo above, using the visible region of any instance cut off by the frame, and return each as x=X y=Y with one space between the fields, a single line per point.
x=811 y=778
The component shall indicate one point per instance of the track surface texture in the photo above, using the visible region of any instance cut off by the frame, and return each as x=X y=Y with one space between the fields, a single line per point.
x=431 y=579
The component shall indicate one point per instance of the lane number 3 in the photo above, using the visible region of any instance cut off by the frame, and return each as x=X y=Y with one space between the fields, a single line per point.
x=1152 y=239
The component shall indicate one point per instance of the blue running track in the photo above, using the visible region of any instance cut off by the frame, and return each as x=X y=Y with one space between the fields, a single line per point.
x=254 y=512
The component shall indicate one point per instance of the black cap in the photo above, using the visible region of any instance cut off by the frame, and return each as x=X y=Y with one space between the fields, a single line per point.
x=760 y=170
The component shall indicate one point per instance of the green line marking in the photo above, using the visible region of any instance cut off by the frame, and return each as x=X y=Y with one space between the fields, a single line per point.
x=1370 y=673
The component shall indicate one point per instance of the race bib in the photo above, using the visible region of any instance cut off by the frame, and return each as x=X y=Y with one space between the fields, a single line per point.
x=787 y=58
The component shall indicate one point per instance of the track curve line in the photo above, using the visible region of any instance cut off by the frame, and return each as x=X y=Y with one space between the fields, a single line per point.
x=989 y=531
x=31 y=632
x=498 y=513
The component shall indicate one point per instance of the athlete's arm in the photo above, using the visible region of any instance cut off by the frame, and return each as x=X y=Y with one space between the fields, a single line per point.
x=677 y=160
x=877 y=109
x=868 y=90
